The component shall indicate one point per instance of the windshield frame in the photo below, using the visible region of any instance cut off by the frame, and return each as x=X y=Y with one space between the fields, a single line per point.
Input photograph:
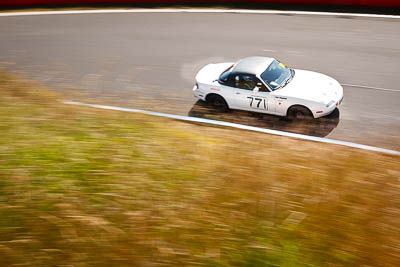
x=284 y=82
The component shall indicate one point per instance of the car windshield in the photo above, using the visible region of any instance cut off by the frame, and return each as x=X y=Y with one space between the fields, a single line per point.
x=224 y=76
x=277 y=75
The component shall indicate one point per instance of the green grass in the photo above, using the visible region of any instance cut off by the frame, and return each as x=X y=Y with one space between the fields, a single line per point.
x=85 y=187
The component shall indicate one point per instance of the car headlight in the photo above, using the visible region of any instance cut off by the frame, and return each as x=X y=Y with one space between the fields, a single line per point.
x=330 y=103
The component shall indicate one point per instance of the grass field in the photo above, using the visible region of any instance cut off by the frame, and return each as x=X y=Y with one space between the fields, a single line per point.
x=84 y=187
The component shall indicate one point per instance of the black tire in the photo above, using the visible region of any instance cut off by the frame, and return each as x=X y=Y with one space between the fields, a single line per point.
x=217 y=102
x=299 y=113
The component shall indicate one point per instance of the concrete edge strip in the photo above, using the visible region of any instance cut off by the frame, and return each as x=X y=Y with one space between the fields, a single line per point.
x=239 y=126
x=178 y=10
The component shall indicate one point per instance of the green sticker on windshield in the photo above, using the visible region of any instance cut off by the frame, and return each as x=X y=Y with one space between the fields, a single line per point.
x=282 y=65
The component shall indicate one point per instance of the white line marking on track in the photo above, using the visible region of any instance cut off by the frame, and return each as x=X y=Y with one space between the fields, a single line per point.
x=177 y=10
x=239 y=126
x=267 y=50
x=371 y=87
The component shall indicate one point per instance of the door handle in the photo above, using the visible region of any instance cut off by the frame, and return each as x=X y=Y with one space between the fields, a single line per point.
x=237 y=93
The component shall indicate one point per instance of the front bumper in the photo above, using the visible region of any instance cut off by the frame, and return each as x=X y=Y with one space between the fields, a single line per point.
x=327 y=110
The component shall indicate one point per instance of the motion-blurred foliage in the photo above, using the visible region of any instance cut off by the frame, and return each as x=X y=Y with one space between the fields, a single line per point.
x=83 y=187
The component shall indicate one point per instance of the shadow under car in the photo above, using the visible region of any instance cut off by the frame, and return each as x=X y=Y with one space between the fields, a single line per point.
x=320 y=127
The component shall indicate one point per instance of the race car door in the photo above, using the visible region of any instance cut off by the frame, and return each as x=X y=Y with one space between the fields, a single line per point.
x=248 y=99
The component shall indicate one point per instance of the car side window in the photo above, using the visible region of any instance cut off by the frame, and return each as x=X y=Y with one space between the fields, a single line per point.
x=244 y=82
x=228 y=80
x=231 y=81
x=225 y=76
x=263 y=88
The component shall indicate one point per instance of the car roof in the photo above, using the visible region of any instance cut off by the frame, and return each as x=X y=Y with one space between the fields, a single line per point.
x=252 y=65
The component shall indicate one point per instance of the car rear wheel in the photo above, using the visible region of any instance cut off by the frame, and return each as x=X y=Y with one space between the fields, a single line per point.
x=217 y=102
x=299 y=113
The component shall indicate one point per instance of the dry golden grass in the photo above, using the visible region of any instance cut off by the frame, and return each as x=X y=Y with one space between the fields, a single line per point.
x=83 y=187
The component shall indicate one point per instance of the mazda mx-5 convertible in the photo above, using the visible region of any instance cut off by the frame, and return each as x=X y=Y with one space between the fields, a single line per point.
x=263 y=84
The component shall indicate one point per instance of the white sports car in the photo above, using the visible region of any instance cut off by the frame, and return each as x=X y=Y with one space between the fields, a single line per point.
x=265 y=85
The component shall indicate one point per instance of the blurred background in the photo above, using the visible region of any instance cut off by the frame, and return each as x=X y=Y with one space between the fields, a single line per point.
x=88 y=187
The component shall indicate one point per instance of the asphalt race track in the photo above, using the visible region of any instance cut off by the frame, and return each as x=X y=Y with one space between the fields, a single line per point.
x=149 y=60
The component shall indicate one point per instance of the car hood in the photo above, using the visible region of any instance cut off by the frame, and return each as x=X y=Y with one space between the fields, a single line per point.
x=312 y=86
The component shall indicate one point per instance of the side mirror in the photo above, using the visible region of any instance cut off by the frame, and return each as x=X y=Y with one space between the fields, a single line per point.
x=257 y=88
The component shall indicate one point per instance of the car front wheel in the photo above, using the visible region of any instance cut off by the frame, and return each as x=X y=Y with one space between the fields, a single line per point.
x=299 y=113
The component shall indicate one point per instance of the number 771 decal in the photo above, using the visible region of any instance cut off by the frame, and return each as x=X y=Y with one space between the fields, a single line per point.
x=256 y=102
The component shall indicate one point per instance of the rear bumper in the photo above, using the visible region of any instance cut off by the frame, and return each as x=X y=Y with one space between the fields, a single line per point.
x=198 y=93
